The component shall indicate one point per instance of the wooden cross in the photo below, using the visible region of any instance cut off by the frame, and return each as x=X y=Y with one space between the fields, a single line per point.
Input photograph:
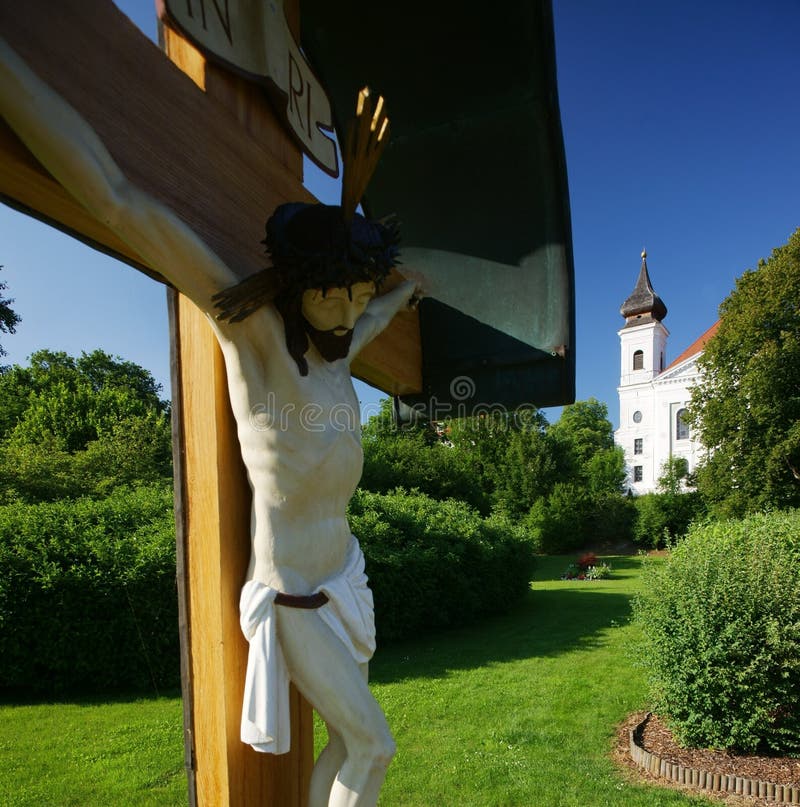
x=208 y=145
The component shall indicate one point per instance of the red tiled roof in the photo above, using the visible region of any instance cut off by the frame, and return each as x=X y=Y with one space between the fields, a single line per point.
x=696 y=347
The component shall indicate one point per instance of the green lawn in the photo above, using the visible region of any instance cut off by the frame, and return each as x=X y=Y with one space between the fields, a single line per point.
x=519 y=710
x=103 y=753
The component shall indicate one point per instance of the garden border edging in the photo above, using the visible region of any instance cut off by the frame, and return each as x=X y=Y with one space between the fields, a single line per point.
x=705 y=780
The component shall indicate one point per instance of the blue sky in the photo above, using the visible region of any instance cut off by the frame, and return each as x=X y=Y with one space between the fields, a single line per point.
x=682 y=134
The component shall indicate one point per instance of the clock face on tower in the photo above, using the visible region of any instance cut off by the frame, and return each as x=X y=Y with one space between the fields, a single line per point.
x=637 y=416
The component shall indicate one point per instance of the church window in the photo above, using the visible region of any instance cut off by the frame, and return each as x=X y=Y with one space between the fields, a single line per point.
x=637 y=473
x=637 y=445
x=637 y=416
x=681 y=426
x=661 y=369
x=638 y=360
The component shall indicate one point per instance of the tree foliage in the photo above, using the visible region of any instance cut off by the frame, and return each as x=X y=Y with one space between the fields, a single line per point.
x=415 y=457
x=560 y=485
x=673 y=473
x=9 y=319
x=747 y=408
x=80 y=426
x=586 y=427
x=585 y=432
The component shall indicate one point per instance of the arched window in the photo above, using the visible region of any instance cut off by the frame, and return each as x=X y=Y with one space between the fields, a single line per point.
x=638 y=360
x=681 y=426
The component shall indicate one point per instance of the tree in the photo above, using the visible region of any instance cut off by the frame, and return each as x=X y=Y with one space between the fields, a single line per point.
x=673 y=472
x=510 y=451
x=71 y=426
x=747 y=407
x=605 y=471
x=530 y=469
x=588 y=435
x=561 y=484
x=586 y=426
x=9 y=319
x=664 y=517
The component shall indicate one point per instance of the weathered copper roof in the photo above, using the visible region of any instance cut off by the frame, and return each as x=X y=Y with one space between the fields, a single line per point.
x=643 y=305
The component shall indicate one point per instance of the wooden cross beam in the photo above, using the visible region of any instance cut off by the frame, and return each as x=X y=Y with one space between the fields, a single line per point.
x=209 y=146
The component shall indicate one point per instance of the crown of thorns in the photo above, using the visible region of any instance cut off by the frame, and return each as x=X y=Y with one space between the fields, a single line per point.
x=313 y=246
x=325 y=246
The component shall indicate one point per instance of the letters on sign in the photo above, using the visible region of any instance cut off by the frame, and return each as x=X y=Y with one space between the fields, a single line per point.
x=253 y=38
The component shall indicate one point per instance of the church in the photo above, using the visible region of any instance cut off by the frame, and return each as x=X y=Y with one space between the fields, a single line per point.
x=653 y=396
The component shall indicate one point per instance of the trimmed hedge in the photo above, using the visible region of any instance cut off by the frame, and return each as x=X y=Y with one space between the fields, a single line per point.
x=88 y=598
x=87 y=593
x=721 y=626
x=436 y=564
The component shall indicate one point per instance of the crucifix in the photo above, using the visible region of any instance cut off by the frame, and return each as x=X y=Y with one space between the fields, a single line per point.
x=213 y=153
x=112 y=193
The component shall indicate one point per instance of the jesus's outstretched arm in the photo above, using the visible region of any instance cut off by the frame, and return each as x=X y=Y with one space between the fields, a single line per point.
x=69 y=148
x=381 y=310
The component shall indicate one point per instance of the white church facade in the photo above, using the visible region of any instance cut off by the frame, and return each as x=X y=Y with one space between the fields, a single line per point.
x=653 y=395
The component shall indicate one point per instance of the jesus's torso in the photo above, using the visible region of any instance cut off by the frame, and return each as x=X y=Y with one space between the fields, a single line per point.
x=300 y=440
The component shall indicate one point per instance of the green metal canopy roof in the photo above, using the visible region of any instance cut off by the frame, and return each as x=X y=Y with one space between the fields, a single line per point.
x=475 y=170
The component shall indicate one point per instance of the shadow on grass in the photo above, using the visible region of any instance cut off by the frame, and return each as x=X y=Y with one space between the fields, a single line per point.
x=21 y=697
x=547 y=622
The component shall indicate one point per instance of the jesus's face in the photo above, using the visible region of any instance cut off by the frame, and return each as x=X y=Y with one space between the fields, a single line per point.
x=331 y=315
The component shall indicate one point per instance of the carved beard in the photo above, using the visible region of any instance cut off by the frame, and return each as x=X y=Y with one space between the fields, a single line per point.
x=330 y=346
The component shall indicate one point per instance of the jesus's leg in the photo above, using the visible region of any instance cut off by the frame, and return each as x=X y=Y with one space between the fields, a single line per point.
x=326 y=767
x=328 y=763
x=330 y=679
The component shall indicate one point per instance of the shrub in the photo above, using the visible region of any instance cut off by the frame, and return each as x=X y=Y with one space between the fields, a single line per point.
x=610 y=519
x=558 y=522
x=662 y=518
x=570 y=518
x=436 y=564
x=87 y=593
x=438 y=470
x=721 y=626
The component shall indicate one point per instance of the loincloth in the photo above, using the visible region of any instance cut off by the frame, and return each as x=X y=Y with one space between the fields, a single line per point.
x=348 y=613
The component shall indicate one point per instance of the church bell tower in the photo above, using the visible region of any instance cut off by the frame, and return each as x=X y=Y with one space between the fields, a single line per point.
x=643 y=347
x=643 y=338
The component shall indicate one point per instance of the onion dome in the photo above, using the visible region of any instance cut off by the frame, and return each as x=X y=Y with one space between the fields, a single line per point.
x=643 y=305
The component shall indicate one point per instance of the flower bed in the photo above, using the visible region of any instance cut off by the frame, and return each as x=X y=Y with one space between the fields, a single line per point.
x=587 y=567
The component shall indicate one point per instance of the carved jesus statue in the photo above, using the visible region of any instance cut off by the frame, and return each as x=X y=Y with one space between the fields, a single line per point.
x=305 y=606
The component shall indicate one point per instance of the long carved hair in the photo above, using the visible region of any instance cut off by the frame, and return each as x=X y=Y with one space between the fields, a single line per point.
x=311 y=246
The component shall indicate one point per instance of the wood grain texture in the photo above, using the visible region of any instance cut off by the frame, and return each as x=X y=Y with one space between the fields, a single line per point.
x=217 y=533
x=216 y=512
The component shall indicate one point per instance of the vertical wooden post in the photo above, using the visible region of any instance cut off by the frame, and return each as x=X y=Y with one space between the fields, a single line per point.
x=213 y=514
